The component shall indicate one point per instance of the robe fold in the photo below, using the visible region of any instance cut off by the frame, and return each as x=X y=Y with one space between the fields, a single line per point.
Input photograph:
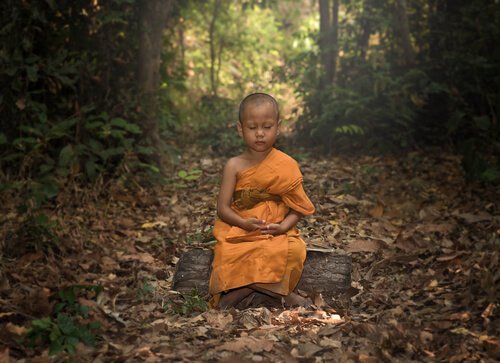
x=241 y=257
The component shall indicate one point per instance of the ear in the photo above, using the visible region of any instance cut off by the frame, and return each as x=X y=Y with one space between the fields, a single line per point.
x=278 y=131
x=240 y=129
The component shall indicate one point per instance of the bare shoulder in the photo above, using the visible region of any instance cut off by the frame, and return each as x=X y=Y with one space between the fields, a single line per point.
x=234 y=165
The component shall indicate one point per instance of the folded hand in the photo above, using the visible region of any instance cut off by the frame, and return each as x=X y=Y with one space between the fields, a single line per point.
x=272 y=229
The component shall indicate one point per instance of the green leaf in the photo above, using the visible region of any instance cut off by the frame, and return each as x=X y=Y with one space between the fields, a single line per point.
x=50 y=190
x=129 y=126
x=56 y=346
x=94 y=325
x=41 y=219
x=43 y=324
x=91 y=169
x=3 y=138
x=482 y=122
x=68 y=295
x=490 y=175
x=66 y=155
x=66 y=324
x=93 y=125
x=32 y=73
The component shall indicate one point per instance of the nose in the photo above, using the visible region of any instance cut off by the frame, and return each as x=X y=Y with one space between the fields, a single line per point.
x=260 y=132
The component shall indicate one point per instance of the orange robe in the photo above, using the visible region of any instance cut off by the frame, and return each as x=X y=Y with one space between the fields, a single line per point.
x=242 y=258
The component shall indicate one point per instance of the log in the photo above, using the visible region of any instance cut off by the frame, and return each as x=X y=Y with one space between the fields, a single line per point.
x=325 y=272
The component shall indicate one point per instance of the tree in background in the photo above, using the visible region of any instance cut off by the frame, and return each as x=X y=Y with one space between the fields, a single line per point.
x=72 y=77
x=407 y=74
x=153 y=19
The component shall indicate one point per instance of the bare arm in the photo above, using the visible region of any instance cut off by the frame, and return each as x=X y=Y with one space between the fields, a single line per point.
x=224 y=210
x=291 y=219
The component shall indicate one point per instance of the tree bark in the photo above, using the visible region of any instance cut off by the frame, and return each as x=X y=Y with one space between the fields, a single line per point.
x=402 y=27
x=324 y=272
x=325 y=46
x=335 y=39
x=366 y=30
x=328 y=40
x=214 y=58
x=153 y=17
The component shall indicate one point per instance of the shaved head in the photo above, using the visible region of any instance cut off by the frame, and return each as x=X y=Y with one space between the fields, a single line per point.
x=256 y=99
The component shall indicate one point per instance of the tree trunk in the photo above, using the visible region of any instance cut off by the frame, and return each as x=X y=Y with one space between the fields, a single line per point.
x=402 y=27
x=324 y=272
x=335 y=39
x=324 y=44
x=153 y=17
x=214 y=69
x=328 y=40
x=366 y=30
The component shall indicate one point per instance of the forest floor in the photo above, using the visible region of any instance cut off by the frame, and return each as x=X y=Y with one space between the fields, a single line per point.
x=425 y=280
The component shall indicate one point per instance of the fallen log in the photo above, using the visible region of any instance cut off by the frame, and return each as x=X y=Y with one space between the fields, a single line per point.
x=325 y=272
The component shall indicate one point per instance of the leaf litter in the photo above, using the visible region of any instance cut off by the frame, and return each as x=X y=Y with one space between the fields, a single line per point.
x=425 y=248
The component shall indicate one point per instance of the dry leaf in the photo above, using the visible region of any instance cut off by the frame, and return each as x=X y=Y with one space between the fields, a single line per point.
x=360 y=245
x=218 y=319
x=16 y=329
x=247 y=343
x=377 y=211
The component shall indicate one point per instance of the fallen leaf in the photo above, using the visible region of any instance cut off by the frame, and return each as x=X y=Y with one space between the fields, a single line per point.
x=377 y=211
x=309 y=349
x=365 y=358
x=330 y=343
x=218 y=319
x=16 y=329
x=247 y=343
x=360 y=245
x=473 y=218
x=149 y=225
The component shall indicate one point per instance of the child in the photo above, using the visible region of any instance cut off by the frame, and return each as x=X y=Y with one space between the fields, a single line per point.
x=261 y=200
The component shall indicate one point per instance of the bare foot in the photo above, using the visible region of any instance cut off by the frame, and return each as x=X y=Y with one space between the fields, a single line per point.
x=294 y=299
x=233 y=297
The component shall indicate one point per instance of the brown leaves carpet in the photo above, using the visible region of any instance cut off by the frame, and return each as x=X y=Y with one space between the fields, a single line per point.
x=425 y=248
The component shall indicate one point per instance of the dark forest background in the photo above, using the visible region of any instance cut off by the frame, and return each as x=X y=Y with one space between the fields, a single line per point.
x=99 y=89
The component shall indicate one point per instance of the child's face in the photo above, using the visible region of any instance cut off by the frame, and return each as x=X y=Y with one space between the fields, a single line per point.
x=259 y=126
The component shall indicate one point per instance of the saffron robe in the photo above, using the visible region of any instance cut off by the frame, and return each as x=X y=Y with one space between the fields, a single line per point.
x=241 y=257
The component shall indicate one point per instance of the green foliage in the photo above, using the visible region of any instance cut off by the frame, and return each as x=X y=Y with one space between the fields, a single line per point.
x=68 y=324
x=217 y=127
x=193 y=174
x=375 y=109
x=445 y=94
x=190 y=304
x=145 y=290
x=69 y=100
x=36 y=233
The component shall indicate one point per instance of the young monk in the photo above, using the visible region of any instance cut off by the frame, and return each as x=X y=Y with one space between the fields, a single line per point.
x=261 y=200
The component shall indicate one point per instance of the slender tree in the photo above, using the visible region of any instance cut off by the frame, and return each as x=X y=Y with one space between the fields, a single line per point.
x=328 y=39
x=402 y=30
x=153 y=18
x=215 y=54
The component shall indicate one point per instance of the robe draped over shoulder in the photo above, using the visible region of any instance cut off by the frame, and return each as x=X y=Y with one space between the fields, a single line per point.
x=241 y=257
